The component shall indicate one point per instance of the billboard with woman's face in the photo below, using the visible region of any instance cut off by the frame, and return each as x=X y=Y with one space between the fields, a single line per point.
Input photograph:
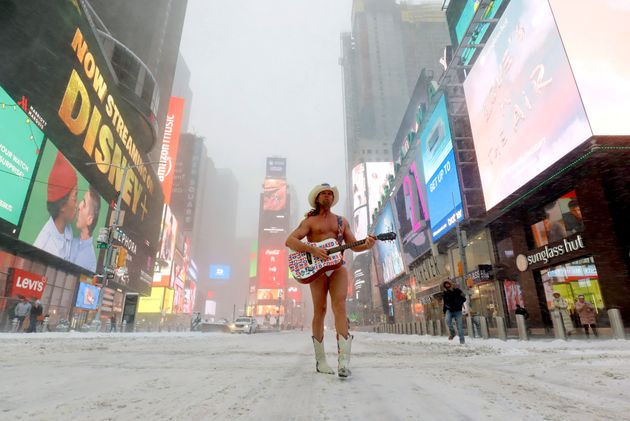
x=64 y=212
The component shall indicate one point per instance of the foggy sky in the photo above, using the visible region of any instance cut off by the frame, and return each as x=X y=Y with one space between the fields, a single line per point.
x=266 y=81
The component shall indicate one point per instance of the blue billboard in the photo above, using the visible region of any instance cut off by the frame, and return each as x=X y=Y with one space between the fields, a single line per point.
x=440 y=172
x=219 y=272
x=87 y=297
x=390 y=263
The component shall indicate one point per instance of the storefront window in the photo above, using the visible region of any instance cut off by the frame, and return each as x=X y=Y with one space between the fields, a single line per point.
x=560 y=218
x=478 y=252
x=578 y=277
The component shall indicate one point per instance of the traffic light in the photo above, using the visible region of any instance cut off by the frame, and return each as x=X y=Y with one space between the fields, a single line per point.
x=102 y=241
x=121 y=258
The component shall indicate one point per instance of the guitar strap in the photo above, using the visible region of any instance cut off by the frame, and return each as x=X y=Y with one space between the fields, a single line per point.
x=340 y=230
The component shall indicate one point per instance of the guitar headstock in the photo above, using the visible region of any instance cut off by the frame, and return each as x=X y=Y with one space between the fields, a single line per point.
x=386 y=236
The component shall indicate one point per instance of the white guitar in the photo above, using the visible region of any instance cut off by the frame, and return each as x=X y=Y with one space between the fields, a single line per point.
x=306 y=268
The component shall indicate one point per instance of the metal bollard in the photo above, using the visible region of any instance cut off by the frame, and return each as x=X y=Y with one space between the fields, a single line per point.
x=438 y=327
x=522 y=327
x=501 y=332
x=483 y=325
x=414 y=330
x=558 y=326
x=14 y=325
x=616 y=323
x=469 y=326
x=423 y=324
x=430 y=329
x=409 y=328
x=123 y=327
x=45 y=324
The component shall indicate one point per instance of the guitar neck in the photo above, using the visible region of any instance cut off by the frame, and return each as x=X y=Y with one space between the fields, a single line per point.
x=345 y=246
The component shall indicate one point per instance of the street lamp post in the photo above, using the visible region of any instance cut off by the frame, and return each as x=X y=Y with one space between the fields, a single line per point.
x=107 y=267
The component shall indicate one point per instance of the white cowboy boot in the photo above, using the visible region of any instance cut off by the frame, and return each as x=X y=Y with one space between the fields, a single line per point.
x=344 y=347
x=320 y=358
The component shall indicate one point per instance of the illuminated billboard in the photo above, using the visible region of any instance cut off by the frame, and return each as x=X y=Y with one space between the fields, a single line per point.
x=360 y=223
x=152 y=303
x=440 y=172
x=359 y=202
x=272 y=268
x=64 y=212
x=524 y=106
x=87 y=297
x=170 y=144
x=276 y=167
x=163 y=276
x=599 y=59
x=359 y=189
x=20 y=143
x=470 y=8
x=376 y=175
x=390 y=263
x=253 y=259
x=268 y=294
x=75 y=100
x=274 y=194
x=412 y=213
x=219 y=272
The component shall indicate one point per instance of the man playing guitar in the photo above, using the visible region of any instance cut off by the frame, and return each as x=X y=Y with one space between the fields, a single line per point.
x=318 y=225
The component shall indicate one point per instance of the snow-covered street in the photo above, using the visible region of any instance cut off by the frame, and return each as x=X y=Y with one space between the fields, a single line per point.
x=216 y=376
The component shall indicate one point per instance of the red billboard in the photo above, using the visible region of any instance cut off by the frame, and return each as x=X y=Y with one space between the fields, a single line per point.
x=170 y=144
x=28 y=284
x=272 y=268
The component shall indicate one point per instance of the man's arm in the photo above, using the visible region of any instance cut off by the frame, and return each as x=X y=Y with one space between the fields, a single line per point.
x=294 y=241
x=348 y=237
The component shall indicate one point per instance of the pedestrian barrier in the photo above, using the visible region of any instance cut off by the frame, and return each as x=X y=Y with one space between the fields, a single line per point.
x=483 y=326
x=522 y=327
x=616 y=323
x=438 y=327
x=469 y=326
x=501 y=331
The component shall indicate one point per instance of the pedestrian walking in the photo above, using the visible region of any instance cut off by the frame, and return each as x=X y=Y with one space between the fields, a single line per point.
x=454 y=300
x=586 y=313
x=22 y=309
x=522 y=311
x=36 y=313
x=112 y=321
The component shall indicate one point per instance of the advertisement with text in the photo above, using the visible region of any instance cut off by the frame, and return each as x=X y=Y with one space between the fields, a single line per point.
x=524 y=106
x=440 y=172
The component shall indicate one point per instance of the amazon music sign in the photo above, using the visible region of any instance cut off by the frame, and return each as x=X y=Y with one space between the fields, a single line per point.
x=28 y=284
x=170 y=145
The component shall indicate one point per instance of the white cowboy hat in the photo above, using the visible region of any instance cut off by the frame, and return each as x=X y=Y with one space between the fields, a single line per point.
x=320 y=188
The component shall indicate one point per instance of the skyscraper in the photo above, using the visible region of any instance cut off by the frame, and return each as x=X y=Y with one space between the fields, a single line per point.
x=381 y=59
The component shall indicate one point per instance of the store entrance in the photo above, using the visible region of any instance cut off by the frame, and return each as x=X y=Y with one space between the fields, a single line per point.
x=572 y=280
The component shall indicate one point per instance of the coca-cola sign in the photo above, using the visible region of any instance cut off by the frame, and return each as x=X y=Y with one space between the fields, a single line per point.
x=28 y=284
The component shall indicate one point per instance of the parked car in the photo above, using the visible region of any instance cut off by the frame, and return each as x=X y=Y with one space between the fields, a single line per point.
x=244 y=324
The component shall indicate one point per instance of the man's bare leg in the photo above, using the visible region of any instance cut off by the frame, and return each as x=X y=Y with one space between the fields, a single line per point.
x=319 y=292
x=338 y=292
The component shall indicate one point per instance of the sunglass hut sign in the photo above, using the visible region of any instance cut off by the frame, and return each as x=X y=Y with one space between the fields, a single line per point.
x=541 y=257
x=89 y=110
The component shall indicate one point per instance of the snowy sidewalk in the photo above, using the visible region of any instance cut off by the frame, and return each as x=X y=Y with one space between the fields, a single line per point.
x=216 y=376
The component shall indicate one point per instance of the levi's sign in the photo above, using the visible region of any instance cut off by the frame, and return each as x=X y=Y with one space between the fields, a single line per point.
x=28 y=284
x=541 y=257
